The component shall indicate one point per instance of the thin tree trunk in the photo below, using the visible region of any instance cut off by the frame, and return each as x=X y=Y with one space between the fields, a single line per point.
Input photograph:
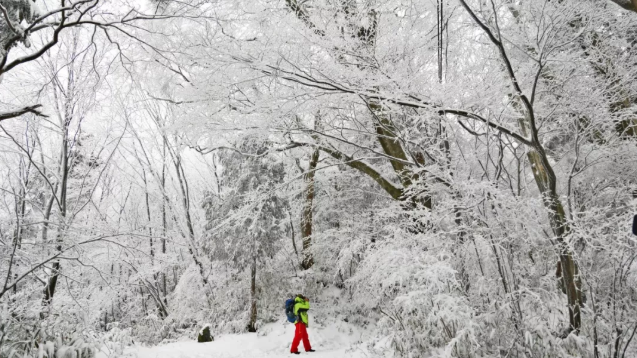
x=11 y=264
x=296 y=252
x=152 y=288
x=49 y=290
x=557 y=218
x=150 y=230
x=547 y=185
x=47 y=215
x=20 y=207
x=183 y=186
x=51 y=285
x=163 y=217
x=20 y=210
x=306 y=219
x=253 y=296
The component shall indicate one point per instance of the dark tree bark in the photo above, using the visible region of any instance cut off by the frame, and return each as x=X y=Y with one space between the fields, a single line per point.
x=308 y=206
x=253 y=297
x=17 y=113
x=627 y=4
x=163 y=218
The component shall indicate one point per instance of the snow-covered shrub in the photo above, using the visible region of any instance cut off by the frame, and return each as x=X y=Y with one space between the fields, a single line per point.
x=409 y=280
x=72 y=346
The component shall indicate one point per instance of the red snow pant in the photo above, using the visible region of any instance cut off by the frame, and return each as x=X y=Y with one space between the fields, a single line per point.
x=300 y=334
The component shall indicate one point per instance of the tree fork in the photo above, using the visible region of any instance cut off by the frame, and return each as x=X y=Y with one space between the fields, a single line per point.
x=384 y=127
x=391 y=145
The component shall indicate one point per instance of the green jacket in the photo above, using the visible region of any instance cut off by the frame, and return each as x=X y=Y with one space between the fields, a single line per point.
x=300 y=309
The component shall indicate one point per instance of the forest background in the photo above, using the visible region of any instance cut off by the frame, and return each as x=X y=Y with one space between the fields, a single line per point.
x=457 y=176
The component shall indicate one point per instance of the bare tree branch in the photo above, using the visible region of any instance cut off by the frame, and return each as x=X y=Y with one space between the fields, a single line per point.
x=7 y=19
x=410 y=101
x=31 y=109
x=303 y=16
x=500 y=128
x=388 y=186
x=8 y=287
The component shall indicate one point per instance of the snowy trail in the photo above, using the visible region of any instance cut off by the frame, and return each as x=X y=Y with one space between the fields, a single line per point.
x=273 y=342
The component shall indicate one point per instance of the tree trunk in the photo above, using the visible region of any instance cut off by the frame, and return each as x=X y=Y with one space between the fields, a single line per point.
x=20 y=204
x=163 y=217
x=153 y=288
x=253 y=297
x=296 y=252
x=51 y=285
x=47 y=216
x=544 y=176
x=306 y=219
x=150 y=229
x=547 y=185
x=557 y=218
x=49 y=289
x=185 y=194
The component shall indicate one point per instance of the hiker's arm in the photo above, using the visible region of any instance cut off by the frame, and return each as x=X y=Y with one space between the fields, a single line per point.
x=305 y=305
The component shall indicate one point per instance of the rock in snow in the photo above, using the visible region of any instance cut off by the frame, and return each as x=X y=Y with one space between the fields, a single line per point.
x=204 y=335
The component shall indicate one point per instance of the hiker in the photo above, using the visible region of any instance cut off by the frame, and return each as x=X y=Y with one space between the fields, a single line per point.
x=301 y=305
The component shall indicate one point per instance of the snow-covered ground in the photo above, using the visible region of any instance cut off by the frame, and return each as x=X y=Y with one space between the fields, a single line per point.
x=272 y=341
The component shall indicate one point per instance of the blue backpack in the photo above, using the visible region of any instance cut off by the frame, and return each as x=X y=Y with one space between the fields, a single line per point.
x=289 y=310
